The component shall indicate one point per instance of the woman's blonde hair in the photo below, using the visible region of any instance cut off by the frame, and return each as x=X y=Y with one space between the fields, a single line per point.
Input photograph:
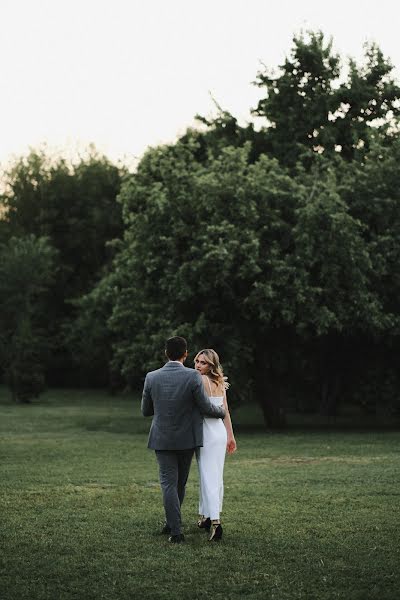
x=215 y=373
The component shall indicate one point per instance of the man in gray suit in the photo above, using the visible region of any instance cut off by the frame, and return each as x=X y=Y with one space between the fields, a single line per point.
x=174 y=395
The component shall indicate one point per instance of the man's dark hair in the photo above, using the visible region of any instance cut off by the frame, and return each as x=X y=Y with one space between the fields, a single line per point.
x=175 y=347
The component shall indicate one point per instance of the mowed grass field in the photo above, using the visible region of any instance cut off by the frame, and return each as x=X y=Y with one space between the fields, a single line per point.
x=307 y=515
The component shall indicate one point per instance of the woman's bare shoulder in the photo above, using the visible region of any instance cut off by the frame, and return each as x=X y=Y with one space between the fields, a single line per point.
x=217 y=387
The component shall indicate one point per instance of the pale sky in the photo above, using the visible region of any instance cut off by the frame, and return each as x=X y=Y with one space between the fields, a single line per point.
x=128 y=74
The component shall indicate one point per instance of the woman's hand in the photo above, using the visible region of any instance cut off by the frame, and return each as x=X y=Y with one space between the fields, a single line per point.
x=231 y=445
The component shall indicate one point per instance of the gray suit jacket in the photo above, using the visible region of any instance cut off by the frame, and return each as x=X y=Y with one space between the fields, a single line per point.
x=174 y=395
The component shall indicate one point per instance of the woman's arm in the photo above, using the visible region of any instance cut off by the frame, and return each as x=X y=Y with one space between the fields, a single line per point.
x=231 y=442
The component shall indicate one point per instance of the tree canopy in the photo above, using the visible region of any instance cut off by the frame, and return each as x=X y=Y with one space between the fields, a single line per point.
x=26 y=273
x=278 y=246
x=74 y=206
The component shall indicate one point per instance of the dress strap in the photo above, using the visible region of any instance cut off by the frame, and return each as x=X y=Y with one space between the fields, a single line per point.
x=209 y=385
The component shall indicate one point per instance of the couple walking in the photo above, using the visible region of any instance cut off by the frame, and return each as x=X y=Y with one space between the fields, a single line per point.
x=190 y=415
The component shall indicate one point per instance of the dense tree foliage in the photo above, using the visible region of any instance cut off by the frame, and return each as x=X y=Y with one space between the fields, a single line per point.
x=26 y=273
x=300 y=99
x=278 y=246
x=271 y=269
x=313 y=104
x=74 y=206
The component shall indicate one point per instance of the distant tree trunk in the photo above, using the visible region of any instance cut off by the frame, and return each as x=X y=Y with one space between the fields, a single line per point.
x=331 y=378
x=13 y=388
x=331 y=387
x=269 y=393
x=272 y=406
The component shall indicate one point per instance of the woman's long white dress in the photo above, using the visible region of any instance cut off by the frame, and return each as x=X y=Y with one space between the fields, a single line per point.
x=211 y=460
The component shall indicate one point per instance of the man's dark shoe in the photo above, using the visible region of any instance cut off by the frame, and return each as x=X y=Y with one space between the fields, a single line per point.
x=166 y=529
x=176 y=539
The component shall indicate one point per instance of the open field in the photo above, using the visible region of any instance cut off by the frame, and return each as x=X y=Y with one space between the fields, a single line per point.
x=307 y=515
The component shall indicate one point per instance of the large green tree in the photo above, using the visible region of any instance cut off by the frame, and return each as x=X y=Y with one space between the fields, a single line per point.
x=243 y=257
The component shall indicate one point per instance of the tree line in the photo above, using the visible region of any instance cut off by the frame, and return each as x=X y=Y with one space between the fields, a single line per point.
x=278 y=245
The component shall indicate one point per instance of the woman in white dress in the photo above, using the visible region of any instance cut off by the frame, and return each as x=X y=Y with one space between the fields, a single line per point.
x=218 y=439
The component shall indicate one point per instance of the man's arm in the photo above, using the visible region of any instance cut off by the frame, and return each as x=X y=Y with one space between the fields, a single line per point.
x=147 y=401
x=204 y=404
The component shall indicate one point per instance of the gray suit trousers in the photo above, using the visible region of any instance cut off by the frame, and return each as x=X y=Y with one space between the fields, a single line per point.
x=174 y=466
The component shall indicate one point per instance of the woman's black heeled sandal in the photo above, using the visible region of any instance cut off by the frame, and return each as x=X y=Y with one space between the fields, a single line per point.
x=203 y=523
x=216 y=532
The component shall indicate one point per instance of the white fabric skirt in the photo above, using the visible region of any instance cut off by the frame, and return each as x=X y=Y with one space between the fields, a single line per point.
x=211 y=460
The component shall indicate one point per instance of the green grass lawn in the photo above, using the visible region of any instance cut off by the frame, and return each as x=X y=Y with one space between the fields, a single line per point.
x=307 y=515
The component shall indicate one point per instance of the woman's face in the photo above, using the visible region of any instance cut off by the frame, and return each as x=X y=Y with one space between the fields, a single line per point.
x=201 y=364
